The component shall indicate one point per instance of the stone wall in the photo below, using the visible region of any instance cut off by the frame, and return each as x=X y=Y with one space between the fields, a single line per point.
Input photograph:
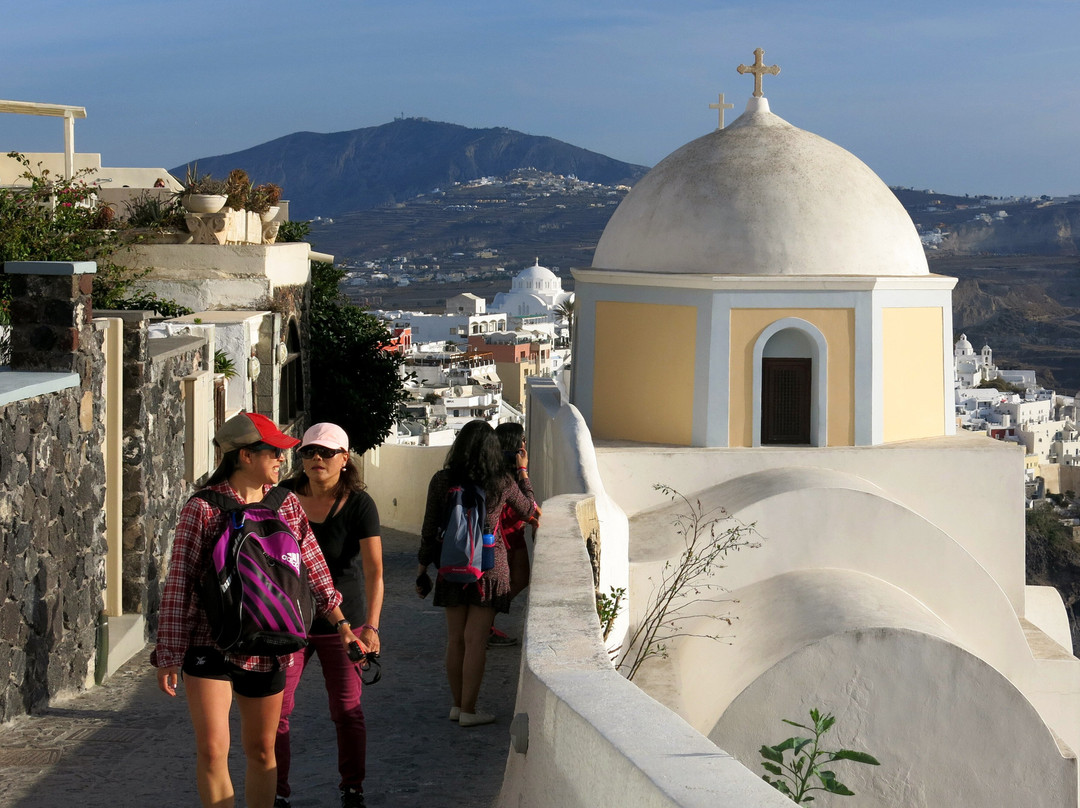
x=52 y=484
x=153 y=457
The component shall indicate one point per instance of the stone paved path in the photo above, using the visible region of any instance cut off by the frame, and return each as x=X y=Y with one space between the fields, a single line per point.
x=127 y=744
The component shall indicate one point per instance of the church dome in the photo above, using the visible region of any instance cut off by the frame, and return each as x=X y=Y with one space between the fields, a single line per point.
x=962 y=346
x=537 y=273
x=761 y=197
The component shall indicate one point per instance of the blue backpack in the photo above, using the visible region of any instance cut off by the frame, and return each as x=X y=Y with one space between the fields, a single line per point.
x=462 y=558
x=256 y=593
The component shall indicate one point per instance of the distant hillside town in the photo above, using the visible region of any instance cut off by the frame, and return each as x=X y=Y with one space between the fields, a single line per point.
x=1009 y=405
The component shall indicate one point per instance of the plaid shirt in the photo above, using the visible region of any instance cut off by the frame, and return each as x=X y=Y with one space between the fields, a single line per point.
x=182 y=622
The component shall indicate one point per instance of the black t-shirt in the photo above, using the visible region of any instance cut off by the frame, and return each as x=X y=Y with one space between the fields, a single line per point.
x=339 y=538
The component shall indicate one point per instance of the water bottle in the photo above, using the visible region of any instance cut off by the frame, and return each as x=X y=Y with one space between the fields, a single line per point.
x=487 y=558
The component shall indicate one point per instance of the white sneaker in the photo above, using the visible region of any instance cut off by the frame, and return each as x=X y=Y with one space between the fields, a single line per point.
x=475 y=719
x=455 y=712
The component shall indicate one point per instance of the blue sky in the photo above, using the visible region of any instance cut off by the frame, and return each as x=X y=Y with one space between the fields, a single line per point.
x=961 y=97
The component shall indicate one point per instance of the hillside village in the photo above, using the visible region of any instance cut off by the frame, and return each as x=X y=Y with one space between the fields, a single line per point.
x=468 y=231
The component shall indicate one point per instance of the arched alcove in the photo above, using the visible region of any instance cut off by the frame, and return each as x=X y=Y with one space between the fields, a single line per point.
x=790 y=390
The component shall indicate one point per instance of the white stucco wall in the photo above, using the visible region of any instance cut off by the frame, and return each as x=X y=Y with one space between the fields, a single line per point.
x=947 y=728
x=1045 y=609
x=812 y=518
x=397 y=477
x=562 y=460
x=242 y=275
x=929 y=477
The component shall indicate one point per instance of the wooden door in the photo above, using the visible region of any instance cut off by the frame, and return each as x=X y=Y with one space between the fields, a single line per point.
x=785 y=401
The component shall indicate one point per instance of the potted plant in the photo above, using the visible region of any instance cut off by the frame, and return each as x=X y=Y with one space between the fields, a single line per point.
x=156 y=218
x=263 y=199
x=237 y=189
x=202 y=194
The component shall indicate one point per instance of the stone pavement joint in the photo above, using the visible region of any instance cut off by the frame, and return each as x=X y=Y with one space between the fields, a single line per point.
x=127 y=743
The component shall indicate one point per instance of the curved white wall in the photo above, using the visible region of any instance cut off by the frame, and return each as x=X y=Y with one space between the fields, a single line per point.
x=947 y=728
x=817 y=518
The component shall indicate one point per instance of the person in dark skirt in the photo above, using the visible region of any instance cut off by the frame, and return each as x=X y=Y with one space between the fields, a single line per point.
x=476 y=458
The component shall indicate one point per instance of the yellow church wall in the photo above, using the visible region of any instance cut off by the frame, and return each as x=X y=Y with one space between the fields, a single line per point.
x=913 y=373
x=837 y=326
x=643 y=377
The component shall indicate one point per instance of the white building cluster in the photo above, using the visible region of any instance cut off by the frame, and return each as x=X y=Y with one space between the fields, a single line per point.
x=460 y=361
x=1038 y=419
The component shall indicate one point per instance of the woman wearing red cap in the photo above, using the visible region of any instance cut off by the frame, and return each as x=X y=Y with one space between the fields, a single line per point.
x=253 y=447
x=346 y=525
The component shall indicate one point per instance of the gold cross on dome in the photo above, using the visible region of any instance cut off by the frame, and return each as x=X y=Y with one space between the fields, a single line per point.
x=759 y=69
x=721 y=106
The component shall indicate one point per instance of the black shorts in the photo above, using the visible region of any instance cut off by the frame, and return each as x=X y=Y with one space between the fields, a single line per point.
x=209 y=663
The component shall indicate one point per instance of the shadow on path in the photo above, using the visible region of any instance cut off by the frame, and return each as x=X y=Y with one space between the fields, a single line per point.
x=126 y=743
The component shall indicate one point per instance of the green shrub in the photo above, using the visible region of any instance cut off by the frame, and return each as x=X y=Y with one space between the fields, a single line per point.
x=58 y=219
x=354 y=382
x=293 y=231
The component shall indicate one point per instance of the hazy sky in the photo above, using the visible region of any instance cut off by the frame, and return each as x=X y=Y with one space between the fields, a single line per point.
x=958 y=96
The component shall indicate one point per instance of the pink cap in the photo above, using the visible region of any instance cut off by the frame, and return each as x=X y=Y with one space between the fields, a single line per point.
x=325 y=434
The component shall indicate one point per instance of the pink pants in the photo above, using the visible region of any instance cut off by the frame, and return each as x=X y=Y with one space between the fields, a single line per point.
x=343 y=690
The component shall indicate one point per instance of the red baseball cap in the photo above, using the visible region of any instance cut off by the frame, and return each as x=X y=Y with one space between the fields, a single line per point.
x=247 y=428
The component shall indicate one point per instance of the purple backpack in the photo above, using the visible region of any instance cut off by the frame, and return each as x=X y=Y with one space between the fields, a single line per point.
x=255 y=592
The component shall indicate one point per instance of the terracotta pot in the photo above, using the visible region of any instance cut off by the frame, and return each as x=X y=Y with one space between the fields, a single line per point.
x=203 y=203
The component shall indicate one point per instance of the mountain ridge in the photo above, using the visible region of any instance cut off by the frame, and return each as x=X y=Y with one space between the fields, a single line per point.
x=359 y=169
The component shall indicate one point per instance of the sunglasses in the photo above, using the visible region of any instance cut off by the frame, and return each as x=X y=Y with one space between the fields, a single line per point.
x=265 y=447
x=309 y=452
x=368 y=667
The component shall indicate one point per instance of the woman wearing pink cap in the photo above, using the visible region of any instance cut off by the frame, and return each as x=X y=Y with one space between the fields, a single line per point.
x=346 y=525
x=253 y=447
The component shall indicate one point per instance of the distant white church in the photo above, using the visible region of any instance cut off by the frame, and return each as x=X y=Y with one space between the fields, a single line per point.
x=534 y=292
x=973 y=369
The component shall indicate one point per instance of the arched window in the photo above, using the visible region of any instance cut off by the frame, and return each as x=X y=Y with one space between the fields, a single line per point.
x=790 y=361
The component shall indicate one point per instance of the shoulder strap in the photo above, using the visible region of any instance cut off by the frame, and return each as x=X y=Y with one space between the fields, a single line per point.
x=274 y=498
x=333 y=509
x=218 y=500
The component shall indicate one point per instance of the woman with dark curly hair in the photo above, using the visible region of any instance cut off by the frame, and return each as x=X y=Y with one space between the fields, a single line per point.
x=476 y=458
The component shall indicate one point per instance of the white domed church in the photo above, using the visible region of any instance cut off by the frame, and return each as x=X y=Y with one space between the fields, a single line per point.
x=535 y=291
x=760 y=331
x=780 y=263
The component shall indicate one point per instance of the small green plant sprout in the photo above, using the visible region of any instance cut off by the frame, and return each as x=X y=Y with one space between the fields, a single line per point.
x=607 y=608
x=796 y=779
x=224 y=365
x=687 y=583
